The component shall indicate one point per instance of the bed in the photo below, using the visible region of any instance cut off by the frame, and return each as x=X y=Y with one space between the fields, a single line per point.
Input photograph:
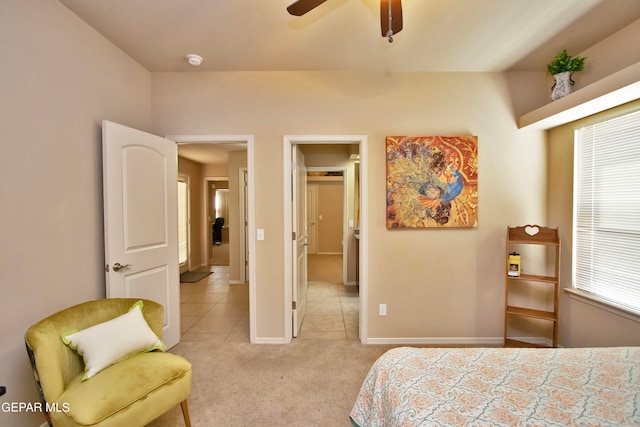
x=501 y=387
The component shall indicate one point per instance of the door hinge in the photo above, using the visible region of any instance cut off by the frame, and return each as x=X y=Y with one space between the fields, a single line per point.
x=293 y=305
x=293 y=235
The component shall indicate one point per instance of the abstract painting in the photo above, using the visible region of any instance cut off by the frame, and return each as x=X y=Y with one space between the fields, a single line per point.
x=432 y=181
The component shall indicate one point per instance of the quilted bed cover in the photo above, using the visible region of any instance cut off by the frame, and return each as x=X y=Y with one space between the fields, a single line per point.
x=501 y=387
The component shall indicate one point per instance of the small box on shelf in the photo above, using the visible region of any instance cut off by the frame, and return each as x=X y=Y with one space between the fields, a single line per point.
x=514 y=264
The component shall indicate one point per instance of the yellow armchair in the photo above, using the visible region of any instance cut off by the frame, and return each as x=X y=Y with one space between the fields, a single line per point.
x=132 y=392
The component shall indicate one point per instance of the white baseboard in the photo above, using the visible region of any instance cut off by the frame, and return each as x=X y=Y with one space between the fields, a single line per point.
x=235 y=282
x=270 y=341
x=439 y=341
x=354 y=283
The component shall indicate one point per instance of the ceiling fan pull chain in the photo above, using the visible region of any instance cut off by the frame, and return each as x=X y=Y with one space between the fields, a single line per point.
x=390 y=31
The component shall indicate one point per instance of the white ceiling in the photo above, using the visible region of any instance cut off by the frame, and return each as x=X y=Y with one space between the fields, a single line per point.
x=344 y=35
x=217 y=153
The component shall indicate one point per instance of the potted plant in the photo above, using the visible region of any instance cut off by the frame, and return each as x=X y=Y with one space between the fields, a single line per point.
x=561 y=67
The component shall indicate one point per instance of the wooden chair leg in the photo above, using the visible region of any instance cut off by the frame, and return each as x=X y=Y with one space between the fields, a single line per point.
x=185 y=413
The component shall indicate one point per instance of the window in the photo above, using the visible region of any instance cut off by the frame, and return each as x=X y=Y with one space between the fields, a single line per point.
x=606 y=230
x=183 y=221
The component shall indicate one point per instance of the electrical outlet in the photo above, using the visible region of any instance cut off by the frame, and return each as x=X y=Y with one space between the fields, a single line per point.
x=382 y=309
x=260 y=234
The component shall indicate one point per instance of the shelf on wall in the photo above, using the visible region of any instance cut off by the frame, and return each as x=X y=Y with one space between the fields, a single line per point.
x=528 y=312
x=616 y=89
x=534 y=278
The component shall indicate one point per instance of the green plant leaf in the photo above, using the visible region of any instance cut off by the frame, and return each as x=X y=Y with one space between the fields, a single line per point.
x=564 y=62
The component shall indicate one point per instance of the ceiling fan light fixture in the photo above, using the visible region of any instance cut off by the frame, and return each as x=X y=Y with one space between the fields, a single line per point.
x=390 y=18
x=390 y=14
x=194 y=59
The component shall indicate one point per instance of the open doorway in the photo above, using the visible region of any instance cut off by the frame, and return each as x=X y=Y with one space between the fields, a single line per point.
x=354 y=232
x=217 y=214
x=234 y=204
x=328 y=203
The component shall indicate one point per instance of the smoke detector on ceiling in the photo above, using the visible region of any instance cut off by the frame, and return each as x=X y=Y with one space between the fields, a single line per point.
x=194 y=59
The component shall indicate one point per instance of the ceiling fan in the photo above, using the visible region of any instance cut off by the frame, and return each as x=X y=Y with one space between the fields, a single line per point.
x=390 y=14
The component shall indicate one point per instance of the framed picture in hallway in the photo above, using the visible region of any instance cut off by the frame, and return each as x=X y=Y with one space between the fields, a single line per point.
x=432 y=181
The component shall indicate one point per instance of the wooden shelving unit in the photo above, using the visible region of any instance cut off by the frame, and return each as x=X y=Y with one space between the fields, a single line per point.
x=531 y=235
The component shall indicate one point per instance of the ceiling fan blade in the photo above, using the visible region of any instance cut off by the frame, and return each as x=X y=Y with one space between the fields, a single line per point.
x=300 y=7
x=395 y=12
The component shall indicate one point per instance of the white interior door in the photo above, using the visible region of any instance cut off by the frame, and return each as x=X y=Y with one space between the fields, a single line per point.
x=244 y=220
x=299 y=216
x=312 y=218
x=140 y=176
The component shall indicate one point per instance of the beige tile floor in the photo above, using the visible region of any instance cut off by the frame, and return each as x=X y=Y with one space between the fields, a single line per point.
x=214 y=310
x=331 y=313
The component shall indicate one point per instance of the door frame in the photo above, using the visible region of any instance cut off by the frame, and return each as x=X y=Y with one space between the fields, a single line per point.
x=188 y=264
x=249 y=140
x=288 y=142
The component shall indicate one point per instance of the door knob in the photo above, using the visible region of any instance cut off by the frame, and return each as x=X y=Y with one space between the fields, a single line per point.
x=118 y=267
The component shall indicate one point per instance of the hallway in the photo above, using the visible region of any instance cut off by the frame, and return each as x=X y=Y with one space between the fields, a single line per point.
x=332 y=308
x=214 y=310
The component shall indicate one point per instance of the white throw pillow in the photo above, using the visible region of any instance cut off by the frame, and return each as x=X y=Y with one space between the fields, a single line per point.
x=109 y=342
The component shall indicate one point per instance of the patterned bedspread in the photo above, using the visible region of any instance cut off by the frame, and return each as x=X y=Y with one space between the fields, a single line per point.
x=501 y=387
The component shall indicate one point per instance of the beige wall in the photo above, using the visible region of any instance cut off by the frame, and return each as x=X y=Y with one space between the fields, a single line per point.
x=59 y=79
x=610 y=55
x=581 y=324
x=436 y=283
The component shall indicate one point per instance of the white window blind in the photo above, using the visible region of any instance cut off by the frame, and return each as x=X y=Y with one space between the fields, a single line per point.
x=606 y=226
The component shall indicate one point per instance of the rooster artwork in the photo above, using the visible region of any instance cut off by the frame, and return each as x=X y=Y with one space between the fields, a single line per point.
x=432 y=181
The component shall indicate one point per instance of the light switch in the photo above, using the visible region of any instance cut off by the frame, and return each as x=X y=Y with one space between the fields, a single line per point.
x=260 y=234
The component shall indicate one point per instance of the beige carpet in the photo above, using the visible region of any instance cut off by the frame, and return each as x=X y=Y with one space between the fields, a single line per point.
x=306 y=383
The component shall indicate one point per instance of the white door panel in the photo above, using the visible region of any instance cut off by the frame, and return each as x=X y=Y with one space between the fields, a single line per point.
x=141 y=224
x=299 y=216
